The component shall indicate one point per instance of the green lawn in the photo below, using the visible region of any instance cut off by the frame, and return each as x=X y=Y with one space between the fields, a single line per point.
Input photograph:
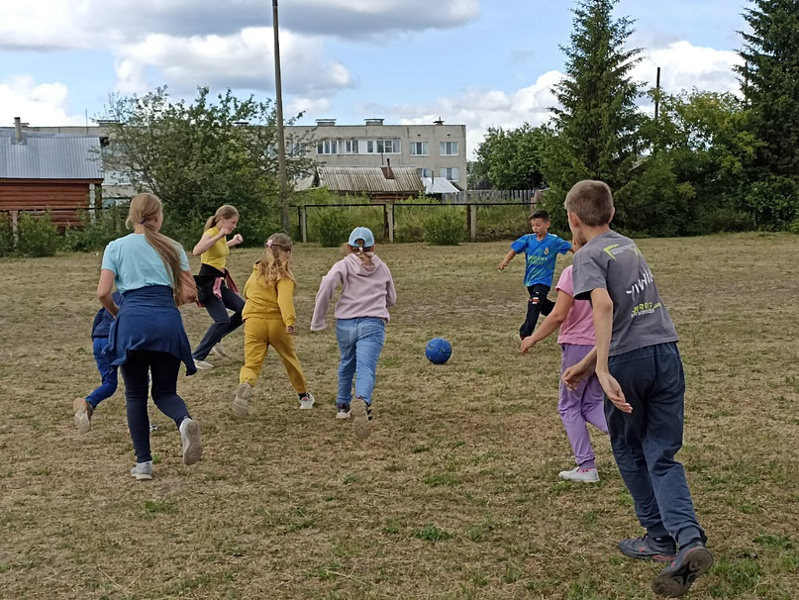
x=455 y=494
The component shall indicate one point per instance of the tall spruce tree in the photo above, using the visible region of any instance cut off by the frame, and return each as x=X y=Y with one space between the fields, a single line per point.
x=597 y=126
x=770 y=84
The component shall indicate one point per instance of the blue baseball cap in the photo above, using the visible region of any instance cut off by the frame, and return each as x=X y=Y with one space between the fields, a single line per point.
x=362 y=233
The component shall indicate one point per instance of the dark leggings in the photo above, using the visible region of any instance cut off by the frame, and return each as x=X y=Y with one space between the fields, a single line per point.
x=163 y=367
x=538 y=304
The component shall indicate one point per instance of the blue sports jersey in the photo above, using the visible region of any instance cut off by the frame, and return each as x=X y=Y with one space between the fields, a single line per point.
x=540 y=256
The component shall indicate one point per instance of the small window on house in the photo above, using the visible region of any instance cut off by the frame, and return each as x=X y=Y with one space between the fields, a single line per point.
x=449 y=148
x=419 y=149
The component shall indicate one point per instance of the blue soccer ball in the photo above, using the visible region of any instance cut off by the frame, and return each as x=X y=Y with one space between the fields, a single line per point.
x=438 y=351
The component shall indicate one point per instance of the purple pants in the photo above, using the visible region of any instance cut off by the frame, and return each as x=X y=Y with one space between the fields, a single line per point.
x=581 y=406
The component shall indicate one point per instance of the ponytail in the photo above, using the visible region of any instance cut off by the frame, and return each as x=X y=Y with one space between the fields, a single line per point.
x=144 y=210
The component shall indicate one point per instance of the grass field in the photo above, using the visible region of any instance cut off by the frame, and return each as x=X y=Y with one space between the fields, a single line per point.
x=455 y=494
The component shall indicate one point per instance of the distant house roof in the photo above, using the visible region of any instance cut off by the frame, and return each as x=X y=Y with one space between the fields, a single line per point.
x=370 y=179
x=439 y=185
x=42 y=156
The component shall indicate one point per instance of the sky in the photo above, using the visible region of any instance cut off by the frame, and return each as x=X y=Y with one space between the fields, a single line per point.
x=480 y=63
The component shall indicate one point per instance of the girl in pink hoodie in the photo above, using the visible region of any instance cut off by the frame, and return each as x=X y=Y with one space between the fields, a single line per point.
x=367 y=290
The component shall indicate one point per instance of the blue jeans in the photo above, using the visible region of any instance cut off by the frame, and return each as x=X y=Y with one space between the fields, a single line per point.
x=108 y=374
x=223 y=323
x=645 y=441
x=360 y=342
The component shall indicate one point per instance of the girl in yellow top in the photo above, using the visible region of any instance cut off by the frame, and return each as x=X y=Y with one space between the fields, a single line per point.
x=213 y=249
x=269 y=319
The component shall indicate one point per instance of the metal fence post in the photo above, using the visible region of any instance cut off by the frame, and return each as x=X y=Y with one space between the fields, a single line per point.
x=304 y=224
x=472 y=210
x=389 y=215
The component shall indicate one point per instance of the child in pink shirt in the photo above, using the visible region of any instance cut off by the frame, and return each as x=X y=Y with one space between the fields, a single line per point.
x=367 y=290
x=585 y=403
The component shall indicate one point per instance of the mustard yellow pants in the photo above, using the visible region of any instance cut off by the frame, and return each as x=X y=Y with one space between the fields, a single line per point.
x=259 y=334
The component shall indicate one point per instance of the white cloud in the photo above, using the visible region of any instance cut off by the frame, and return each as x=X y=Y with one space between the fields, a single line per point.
x=43 y=104
x=241 y=61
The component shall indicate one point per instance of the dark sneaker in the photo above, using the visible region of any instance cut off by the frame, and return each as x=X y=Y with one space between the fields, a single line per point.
x=361 y=418
x=647 y=548
x=676 y=579
x=342 y=411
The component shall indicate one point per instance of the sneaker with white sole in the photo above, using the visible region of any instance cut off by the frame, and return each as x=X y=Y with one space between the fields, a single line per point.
x=306 y=402
x=142 y=470
x=241 y=403
x=83 y=415
x=342 y=411
x=190 y=439
x=219 y=350
x=202 y=365
x=361 y=418
x=582 y=475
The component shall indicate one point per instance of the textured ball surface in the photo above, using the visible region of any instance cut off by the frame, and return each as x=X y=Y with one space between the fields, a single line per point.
x=438 y=351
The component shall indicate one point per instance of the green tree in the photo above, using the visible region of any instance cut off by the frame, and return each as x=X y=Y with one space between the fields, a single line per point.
x=770 y=84
x=511 y=159
x=597 y=125
x=702 y=138
x=198 y=156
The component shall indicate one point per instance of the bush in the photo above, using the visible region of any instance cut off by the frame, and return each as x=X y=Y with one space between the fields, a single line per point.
x=334 y=227
x=446 y=227
x=38 y=237
x=95 y=233
x=773 y=202
x=6 y=236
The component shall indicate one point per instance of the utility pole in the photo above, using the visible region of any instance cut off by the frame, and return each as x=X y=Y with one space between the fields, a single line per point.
x=281 y=143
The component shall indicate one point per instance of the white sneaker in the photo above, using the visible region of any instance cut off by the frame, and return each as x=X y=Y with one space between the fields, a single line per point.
x=241 y=403
x=219 y=350
x=307 y=402
x=142 y=470
x=202 y=365
x=361 y=418
x=83 y=415
x=190 y=437
x=583 y=475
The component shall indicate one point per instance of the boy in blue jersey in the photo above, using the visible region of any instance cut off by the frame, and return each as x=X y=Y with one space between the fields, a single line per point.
x=541 y=250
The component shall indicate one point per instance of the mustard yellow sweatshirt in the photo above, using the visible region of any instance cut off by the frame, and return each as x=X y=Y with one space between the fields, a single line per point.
x=269 y=300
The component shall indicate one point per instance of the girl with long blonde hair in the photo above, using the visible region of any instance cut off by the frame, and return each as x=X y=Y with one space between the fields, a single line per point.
x=147 y=339
x=218 y=293
x=269 y=320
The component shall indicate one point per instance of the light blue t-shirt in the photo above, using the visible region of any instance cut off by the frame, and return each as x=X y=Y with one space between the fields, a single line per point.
x=136 y=264
x=540 y=256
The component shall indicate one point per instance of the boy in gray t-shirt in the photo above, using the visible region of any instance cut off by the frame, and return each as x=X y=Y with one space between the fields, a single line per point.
x=640 y=370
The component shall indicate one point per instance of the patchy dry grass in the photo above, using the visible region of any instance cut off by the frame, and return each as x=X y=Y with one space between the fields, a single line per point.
x=456 y=493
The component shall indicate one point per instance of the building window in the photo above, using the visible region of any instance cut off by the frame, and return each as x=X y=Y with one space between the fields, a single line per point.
x=370 y=147
x=391 y=146
x=450 y=173
x=449 y=148
x=349 y=147
x=327 y=147
x=423 y=171
x=419 y=149
x=297 y=149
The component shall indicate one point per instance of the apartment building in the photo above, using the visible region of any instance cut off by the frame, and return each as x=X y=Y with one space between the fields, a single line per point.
x=435 y=150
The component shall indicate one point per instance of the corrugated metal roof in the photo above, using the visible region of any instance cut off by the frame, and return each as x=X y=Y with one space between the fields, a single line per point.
x=42 y=156
x=370 y=179
x=439 y=185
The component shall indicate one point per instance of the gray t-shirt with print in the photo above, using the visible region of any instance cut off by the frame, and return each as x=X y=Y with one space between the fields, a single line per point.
x=613 y=262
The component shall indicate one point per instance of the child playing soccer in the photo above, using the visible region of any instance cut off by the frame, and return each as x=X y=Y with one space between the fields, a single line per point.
x=85 y=407
x=639 y=367
x=583 y=404
x=367 y=290
x=269 y=321
x=541 y=250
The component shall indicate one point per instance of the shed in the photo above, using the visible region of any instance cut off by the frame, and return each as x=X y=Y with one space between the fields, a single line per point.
x=59 y=173
x=381 y=184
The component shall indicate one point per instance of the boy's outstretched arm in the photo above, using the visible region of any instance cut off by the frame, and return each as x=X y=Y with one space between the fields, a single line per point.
x=508 y=257
x=551 y=324
x=603 y=327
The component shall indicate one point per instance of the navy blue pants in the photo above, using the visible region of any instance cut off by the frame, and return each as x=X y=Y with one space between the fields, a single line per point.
x=163 y=367
x=108 y=374
x=223 y=323
x=645 y=441
x=538 y=304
